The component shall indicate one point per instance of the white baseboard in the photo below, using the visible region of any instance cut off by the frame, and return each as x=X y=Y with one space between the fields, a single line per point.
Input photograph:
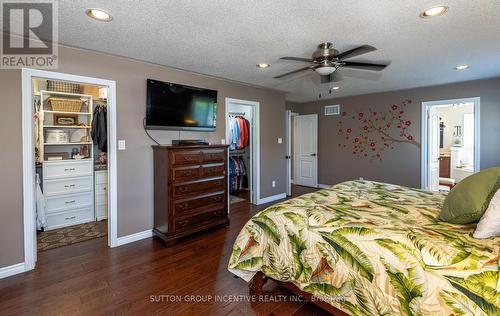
x=134 y=237
x=323 y=186
x=11 y=270
x=272 y=198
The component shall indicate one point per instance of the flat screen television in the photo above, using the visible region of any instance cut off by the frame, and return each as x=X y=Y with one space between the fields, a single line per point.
x=177 y=107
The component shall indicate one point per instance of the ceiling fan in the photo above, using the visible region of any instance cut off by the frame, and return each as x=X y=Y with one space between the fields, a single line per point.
x=326 y=60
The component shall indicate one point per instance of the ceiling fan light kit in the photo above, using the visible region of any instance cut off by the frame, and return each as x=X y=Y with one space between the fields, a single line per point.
x=326 y=61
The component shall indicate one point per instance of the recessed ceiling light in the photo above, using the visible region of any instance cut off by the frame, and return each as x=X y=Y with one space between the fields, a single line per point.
x=462 y=67
x=435 y=11
x=99 y=15
x=263 y=65
x=336 y=88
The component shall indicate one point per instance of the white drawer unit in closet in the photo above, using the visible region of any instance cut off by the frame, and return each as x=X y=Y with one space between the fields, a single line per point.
x=61 y=203
x=68 y=218
x=69 y=191
x=54 y=170
x=101 y=194
x=69 y=185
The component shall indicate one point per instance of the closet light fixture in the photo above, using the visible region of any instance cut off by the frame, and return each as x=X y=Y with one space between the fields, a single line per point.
x=462 y=67
x=99 y=15
x=263 y=65
x=435 y=11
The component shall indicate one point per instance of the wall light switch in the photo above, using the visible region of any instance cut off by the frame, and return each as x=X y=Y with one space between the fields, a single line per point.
x=280 y=140
x=223 y=141
x=121 y=144
x=273 y=184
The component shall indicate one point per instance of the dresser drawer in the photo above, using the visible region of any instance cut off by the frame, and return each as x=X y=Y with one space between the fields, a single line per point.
x=64 y=219
x=101 y=177
x=198 y=187
x=101 y=188
x=199 y=219
x=213 y=170
x=71 y=201
x=184 y=207
x=186 y=157
x=214 y=155
x=63 y=186
x=53 y=170
x=185 y=173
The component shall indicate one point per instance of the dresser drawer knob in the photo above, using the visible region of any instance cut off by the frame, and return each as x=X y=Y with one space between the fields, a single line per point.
x=217 y=198
x=69 y=186
x=69 y=169
x=183 y=206
x=184 y=222
x=68 y=218
x=70 y=202
x=183 y=189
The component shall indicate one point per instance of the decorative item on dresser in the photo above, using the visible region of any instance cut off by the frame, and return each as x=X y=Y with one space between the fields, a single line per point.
x=190 y=190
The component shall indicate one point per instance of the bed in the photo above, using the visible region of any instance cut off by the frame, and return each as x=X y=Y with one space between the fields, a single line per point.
x=369 y=248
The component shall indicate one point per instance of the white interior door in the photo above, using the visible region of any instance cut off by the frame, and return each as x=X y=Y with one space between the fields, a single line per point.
x=306 y=150
x=433 y=149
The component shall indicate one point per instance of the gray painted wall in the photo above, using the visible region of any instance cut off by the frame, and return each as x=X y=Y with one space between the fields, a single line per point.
x=135 y=165
x=401 y=165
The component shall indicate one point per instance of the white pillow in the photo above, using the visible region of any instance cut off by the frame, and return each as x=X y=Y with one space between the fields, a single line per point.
x=489 y=224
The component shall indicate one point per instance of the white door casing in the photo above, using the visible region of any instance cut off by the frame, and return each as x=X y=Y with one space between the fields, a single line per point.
x=305 y=150
x=433 y=142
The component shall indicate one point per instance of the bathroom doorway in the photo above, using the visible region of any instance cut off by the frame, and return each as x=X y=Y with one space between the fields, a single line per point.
x=450 y=137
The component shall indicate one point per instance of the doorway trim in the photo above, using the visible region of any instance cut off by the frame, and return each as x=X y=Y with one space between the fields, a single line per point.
x=424 y=153
x=29 y=214
x=255 y=163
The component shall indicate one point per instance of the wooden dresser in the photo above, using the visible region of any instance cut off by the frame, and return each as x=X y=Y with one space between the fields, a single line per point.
x=190 y=190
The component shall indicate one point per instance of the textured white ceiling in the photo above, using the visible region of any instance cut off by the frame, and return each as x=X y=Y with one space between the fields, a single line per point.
x=227 y=38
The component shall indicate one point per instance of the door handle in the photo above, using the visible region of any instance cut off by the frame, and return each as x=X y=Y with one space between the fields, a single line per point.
x=313 y=155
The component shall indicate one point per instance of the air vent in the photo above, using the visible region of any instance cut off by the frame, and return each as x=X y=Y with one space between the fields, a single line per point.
x=332 y=109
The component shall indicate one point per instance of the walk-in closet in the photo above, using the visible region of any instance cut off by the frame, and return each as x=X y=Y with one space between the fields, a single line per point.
x=70 y=127
x=240 y=133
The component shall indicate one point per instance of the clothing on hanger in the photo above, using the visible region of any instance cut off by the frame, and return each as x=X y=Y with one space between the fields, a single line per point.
x=239 y=132
x=99 y=132
x=238 y=178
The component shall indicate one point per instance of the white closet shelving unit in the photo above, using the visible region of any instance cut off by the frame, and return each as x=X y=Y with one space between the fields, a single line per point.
x=69 y=183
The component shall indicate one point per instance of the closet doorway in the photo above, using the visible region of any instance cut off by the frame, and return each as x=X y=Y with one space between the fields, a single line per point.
x=242 y=136
x=69 y=161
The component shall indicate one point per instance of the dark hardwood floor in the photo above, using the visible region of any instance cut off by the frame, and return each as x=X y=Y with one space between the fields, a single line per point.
x=144 y=278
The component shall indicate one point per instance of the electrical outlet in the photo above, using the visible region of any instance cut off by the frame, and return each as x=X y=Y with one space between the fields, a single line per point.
x=121 y=144
x=280 y=140
x=273 y=184
x=223 y=141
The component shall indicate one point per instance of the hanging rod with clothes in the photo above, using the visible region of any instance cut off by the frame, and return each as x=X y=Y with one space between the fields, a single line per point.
x=237 y=113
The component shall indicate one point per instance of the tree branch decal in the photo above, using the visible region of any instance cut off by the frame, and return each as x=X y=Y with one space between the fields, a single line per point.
x=369 y=134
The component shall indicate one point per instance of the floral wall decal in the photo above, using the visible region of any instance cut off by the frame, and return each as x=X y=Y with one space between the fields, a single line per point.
x=369 y=134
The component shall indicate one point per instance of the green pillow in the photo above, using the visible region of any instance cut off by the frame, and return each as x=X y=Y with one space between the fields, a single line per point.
x=469 y=199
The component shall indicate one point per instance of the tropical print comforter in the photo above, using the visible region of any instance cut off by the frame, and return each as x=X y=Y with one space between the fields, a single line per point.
x=371 y=248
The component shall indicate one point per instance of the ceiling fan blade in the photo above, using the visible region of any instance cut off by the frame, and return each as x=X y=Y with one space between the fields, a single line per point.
x=363 y=66
x=356 y=52
x=308 y=60
x=292 y=72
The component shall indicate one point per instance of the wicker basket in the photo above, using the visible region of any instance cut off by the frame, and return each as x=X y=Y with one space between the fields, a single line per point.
x=65 y=105
x=62 y=86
